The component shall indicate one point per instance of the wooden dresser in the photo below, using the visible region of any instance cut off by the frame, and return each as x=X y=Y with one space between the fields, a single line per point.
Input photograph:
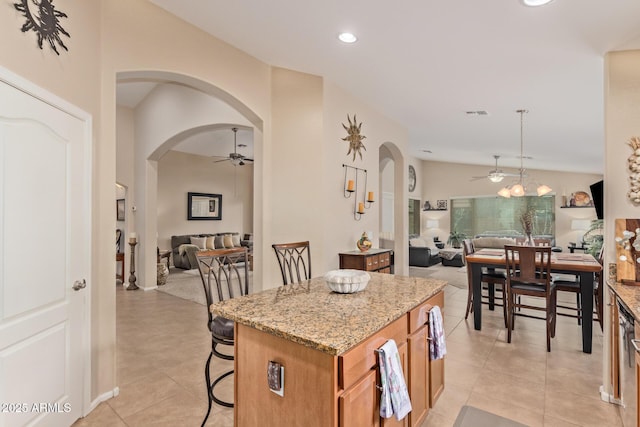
x=378 y=260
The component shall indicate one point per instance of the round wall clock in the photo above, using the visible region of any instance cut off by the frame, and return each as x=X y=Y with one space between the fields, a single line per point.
x=412 y=178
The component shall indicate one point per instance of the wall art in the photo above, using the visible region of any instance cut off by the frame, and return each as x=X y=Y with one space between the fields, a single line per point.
x=354 y=137
x=43 y=18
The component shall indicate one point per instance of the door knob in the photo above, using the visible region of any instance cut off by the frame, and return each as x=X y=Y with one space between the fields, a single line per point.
x=77 y=285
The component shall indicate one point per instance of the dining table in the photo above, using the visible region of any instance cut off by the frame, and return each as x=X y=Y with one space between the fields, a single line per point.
x=582 y=265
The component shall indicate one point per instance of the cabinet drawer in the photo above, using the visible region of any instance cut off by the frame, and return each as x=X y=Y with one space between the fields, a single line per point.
x=353 y=364
x=384 y=260
x=372 y=262
x=420 y=315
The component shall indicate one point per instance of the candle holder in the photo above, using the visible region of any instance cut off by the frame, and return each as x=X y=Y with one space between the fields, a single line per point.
x=132 y=277
x=351 y=186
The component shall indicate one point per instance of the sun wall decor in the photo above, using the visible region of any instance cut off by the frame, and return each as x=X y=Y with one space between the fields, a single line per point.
x=43 y=18
x=354 y=137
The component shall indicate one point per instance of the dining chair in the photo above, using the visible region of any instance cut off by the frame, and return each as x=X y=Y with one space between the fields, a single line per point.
x=529 y=275
x=294 y=260
x=598 y=289
x=225 y=275
x=492 y=279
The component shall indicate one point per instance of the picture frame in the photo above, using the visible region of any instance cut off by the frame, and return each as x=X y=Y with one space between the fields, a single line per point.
x=204 y=206
x=120 y=210
x=441 y=204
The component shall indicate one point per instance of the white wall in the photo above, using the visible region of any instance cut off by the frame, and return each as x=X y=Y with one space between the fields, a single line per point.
x=443 y=181
x=180 y=173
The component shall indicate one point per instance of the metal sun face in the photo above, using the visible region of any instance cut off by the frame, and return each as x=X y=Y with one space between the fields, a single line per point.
x=44 y=20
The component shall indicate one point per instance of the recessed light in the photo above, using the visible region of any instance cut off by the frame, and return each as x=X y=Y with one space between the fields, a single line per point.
x=347 y=38
x=477 y=113
x=534 y=3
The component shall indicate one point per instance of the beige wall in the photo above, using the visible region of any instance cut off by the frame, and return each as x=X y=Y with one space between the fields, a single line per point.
x=443 y=181
x=180 y=173
x=341 y=230
x=622 y=109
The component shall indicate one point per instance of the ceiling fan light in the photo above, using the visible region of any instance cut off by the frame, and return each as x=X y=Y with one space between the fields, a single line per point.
x=517 y=190
x=504 y=192
x=496 y=178
x=534 y=3
x=543 y=189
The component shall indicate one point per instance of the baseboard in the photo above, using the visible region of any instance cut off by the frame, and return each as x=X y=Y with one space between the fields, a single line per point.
x=103 y=397
x=608 y=397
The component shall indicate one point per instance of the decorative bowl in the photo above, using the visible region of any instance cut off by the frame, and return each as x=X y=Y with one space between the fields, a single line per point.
x=347 y=281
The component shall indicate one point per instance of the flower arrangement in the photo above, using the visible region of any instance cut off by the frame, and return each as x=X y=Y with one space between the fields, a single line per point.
x=526 y=219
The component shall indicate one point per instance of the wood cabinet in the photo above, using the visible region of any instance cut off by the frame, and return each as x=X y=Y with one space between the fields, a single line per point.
x=637 y=359
x=422 y=369
x=377 y=260
x=614 y=346
x=342 y=390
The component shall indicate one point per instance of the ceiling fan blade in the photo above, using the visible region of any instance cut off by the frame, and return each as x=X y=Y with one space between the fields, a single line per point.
x=475 y=178
x=223 y=160
x=246 y=159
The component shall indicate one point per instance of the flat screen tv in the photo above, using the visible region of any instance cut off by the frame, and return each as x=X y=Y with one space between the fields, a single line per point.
x=597 y=196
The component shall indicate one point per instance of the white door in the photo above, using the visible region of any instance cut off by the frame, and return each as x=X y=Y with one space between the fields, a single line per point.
x=44 y=249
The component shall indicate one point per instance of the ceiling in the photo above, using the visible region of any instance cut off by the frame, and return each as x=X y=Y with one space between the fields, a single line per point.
x=426 y=63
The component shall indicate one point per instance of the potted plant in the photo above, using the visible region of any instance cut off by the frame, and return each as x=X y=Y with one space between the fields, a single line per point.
x=594 y=237
x=456 y=238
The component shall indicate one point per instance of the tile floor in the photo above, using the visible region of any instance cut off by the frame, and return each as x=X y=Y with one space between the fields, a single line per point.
x=162 y=343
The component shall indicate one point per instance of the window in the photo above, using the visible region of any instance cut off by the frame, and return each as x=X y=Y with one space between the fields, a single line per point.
x=490 y=214
x=414 y=216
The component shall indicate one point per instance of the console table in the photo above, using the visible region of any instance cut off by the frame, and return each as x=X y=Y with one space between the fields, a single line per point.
x=377 y=260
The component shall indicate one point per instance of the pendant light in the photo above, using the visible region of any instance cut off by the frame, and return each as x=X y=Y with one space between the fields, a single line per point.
x=519 y=188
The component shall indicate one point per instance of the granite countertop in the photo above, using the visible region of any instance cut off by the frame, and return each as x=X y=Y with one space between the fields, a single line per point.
x=312 y=315
x=630 y=296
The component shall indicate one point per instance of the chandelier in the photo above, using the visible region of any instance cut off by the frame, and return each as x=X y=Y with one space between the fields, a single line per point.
x=519 y=188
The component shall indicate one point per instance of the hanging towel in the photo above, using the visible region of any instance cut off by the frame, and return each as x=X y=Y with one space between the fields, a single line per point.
x=395 y=397
x=437 y=345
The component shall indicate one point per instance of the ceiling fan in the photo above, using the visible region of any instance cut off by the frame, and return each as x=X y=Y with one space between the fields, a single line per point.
x=236 y=158
x=495 y=175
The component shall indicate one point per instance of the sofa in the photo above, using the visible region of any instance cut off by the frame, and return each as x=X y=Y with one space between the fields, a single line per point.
x=423 y=252
x=184 y=247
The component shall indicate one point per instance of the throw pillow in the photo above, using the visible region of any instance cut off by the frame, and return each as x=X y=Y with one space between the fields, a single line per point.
x=210 y=242
x=200 y=242
x=236 y=240
x=228 y=241
x=218 y=242
x=418 y=243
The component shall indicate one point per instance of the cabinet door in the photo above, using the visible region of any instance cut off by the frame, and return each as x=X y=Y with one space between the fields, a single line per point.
x=418 y=375
x=614 y=341
x=359 y=404
x=393 y=422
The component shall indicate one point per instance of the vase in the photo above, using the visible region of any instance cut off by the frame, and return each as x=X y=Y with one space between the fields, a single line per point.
x=528 y=240
x=364 y=244
x=163 y=273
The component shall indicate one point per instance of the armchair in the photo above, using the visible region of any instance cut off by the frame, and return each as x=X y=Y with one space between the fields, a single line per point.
x=423 y=253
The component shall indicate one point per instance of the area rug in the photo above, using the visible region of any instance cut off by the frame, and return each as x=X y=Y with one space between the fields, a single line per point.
x=455 y=276
x=474 y=417
x=187 y=284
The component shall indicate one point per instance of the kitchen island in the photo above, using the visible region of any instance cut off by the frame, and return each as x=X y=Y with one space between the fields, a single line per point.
x=325 y=343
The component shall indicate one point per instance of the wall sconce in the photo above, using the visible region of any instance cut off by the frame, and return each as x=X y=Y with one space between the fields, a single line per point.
x=580 y=225
x=351 y=186
x=433 y=223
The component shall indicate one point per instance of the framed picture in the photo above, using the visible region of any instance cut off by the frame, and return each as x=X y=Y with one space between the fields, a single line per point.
x=203 y=206
x=120 y=210
x=442 y=204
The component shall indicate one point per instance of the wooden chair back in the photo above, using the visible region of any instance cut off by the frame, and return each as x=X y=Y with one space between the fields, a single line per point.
x=294 y=260
x=529 y=264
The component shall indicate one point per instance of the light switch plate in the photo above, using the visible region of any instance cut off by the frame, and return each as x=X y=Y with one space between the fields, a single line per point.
x=275 y=377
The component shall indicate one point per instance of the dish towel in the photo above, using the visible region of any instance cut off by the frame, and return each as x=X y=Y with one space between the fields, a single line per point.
x=437 y=345
x=395 y=397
